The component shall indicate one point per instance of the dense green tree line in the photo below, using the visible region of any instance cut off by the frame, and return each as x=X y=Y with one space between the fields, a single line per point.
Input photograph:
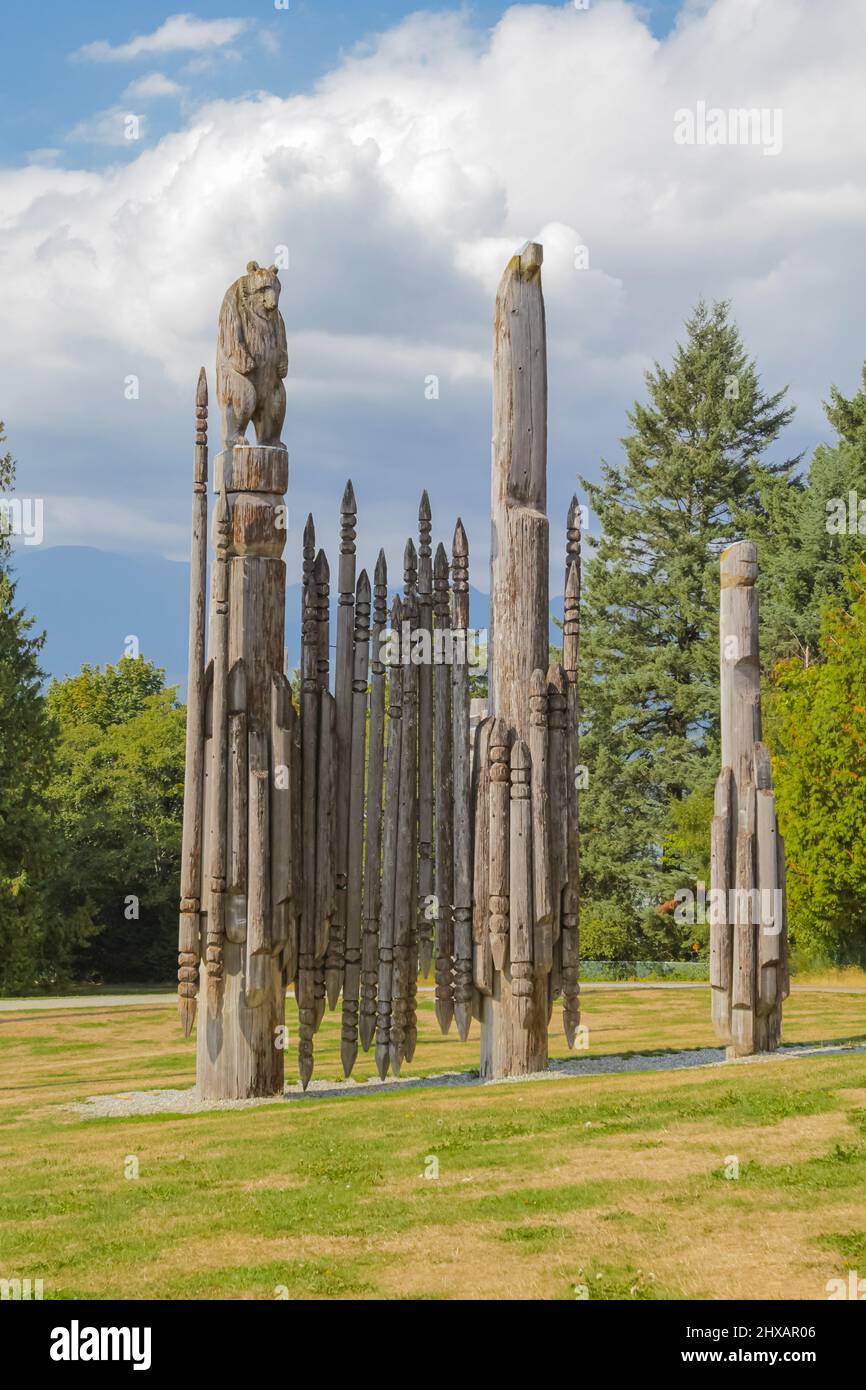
x=91 y=768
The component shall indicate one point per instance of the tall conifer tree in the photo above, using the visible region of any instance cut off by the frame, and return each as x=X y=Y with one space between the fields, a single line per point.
x=692 y=482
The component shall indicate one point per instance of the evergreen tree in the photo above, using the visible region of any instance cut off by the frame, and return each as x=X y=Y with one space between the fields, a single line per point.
x=693 y=481
x=34 y=951
x=813 y=542
x=817 y=730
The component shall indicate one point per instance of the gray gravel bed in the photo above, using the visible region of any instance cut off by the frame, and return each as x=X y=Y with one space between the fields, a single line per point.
x=186 y=1102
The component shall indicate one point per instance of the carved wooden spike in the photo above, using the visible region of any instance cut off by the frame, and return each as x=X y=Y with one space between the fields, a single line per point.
x=325 y=821
x=238 y=789
x=743 y=988
x=335 y=961
x=321 y=596
x=543 y=936
x=218 y=854
x=309 y=559
x=389 y=845
x=405 y=892
x=305 y=985
x=557 y=719
x=520 y=896
x=499 y=756
x=463 y=989
x=373 y=830
x=570 y=906
x=482 y=971
x=189 y=926
x=258 y=937
x=283 y=847
x=444 y=867
x=426 y=918
x=721 y=930
x=352 y=981
x=411 y=589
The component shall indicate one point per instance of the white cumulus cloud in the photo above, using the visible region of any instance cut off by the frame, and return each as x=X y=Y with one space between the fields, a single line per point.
x=181 y=33
x=400 y=186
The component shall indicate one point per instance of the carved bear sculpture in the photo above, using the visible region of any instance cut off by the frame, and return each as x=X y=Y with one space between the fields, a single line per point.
x=252 y=358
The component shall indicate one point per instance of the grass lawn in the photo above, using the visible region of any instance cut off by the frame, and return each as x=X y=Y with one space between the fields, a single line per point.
x=616 y=1183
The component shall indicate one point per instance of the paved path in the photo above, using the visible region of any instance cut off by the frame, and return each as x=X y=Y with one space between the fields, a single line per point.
x=116 y=1001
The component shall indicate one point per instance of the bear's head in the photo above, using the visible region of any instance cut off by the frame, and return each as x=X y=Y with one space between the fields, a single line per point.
x=260 y=290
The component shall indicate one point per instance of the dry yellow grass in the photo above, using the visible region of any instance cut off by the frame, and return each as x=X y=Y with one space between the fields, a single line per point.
x=615 y=1183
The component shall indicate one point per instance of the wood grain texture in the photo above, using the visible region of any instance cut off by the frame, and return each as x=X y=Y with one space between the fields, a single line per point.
x=759 y=955
x=520 y=897
x=335 y=959
x=189 y=924
x=373 y=826
x=519 y=588
x=389 y=846
x=442 y=739
x=462 y=788
x=354 y=881
x=426 y=920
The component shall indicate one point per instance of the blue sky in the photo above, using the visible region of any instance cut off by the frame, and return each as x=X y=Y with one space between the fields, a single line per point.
x=400 y=157
x=47 y=92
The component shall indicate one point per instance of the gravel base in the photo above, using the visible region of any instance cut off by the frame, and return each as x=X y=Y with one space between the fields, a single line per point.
x=186 y=1102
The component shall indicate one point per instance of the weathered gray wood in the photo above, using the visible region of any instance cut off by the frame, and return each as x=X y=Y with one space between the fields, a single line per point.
x=557 y=735
x=238 y=788
x=335 y=961
x=189 y=925
x=542 y=954
x=444 y=868
x=721 y=929
x=499 y=800
x=325 y=840
x=389 y=845
x=218 y=850
x=426 y=921
x=304 y=986
x=570 y=906
x=767 y=854
x=309 y=559
x=323 y=888
x=258 y=934
x=520 y=896
x=405 y=893
x=482 y=967
x=358 y=753
x=373 y=828
x=743 y=998
x=410 y=1030
x=519 y=583
x=462 y=918
x=759 y=968
x=282 y=845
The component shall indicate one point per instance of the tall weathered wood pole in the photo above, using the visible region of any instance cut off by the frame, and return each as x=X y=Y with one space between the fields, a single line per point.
x=748 y=935
x=519 y=600
x=246 y=917
x=189 y=941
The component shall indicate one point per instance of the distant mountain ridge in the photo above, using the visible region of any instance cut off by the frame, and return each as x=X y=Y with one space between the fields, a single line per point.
x=89 y=602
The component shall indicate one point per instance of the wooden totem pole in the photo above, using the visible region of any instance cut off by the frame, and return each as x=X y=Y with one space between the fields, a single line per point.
x=748 y=927
x=239 y=903
x=525 y=755
x=344 y=845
